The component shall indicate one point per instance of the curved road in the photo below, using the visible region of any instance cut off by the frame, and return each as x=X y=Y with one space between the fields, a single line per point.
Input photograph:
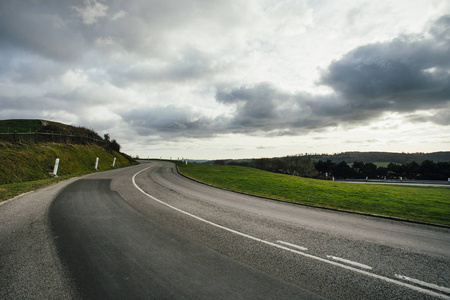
x=145 y=232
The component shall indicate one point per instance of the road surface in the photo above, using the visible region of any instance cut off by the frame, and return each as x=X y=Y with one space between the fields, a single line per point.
x=146 y=232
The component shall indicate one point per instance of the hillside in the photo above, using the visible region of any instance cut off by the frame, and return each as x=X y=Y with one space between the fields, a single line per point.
x=32 y=157
x=28 y=162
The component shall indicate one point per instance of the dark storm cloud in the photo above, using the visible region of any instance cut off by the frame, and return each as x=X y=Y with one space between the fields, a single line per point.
x=257 y=103
x=41 y=27
x=406 y=74
x=170 y=120
x=265 y=108
x=260 y=109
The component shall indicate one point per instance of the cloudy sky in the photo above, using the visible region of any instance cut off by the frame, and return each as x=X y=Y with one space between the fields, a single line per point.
x=233 y=79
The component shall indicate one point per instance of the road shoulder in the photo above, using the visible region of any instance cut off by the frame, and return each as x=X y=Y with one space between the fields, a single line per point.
x=29 y=265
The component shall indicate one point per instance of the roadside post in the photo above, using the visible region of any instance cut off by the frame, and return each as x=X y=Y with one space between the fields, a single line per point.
x=55 y=169
x=114 y=162
x=96 y=163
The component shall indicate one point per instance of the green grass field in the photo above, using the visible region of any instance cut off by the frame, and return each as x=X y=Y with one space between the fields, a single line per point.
x=427 y=204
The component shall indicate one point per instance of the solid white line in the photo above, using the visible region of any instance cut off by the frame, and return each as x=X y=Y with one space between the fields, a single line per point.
x=351 y=262
x=423 y=283
x=413 y=287
x=293 y=245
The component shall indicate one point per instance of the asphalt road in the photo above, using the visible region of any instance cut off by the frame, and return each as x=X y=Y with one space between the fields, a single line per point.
x=146 y=232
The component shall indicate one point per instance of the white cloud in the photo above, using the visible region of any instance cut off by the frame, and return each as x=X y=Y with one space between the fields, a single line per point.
x=92 y=11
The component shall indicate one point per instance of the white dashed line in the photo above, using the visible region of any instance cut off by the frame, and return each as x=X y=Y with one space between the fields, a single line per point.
x=293 y=245
x=350 y=262
x=423 y=283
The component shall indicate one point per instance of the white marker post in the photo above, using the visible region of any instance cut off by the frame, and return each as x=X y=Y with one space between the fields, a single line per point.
x=96 y=163
x=114 y=162
x=55 y=169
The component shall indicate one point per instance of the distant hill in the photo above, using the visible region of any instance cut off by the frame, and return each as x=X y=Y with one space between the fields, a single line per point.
x=380 y=157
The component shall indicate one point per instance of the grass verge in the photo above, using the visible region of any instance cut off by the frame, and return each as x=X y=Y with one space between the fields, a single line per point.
x=8 y=191
x=426 y=204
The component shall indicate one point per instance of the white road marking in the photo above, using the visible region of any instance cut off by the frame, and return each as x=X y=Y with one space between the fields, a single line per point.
x=423 y=283
x=387 y=279
x=350 y=262
x=293 y=245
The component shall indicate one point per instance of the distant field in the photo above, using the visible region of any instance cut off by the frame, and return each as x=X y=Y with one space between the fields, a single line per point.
x=381 y=164
x=428 y=204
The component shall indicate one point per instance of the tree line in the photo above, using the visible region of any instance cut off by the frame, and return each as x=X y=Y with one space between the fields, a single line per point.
x=306 y=167
x=427 y=170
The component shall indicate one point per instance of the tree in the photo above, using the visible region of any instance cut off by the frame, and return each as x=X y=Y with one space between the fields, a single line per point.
x=324 y=167
x=369 y=170
x=382 y=172
x=411 y=170
x=111 y=145
x=429 y=170
x=358 y=169
x=444 y=170
x=343 y=170
x=394 y=170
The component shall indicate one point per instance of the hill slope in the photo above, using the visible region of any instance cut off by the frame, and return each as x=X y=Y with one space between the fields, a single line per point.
x=30 y=159
x=28 y=162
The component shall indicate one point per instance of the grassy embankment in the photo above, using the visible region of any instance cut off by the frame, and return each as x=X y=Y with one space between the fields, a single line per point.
x=25 y=167
x=427 y=204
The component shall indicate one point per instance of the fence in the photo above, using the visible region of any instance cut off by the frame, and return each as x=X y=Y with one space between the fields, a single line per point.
x=44 y=137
